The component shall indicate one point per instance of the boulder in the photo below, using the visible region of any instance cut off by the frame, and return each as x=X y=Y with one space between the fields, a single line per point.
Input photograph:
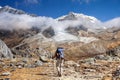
x=100 y=57
x=5 y=52
x=44 y=59
x=6 y=74
x=38 y=63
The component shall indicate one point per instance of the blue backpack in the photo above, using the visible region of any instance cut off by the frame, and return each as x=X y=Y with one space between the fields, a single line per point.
x=60 y=53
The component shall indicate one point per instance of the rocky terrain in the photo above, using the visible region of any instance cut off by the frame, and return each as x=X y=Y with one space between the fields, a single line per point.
x=97 y=68
x=92 y=51
x=96 y=60
x=13 y=38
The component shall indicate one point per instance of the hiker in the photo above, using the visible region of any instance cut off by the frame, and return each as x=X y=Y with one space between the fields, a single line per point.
x=59 y=55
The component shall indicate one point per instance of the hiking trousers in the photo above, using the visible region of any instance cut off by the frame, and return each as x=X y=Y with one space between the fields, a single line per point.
x=59 y=66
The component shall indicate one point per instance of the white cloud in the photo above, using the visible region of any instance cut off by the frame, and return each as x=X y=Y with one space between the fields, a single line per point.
x=15 y=22
x=10 y=22
x=113 y=23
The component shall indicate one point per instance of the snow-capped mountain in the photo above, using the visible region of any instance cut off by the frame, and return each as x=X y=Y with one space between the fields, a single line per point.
x=74 y=31
x=70 y=20
x=77 y=16
x=67 y=27
x=13 y=10
x=81 y=19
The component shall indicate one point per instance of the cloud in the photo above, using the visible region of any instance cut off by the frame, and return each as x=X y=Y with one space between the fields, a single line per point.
x=113 y=23
x=16 y=22
x=31 y=1
x=83 y=1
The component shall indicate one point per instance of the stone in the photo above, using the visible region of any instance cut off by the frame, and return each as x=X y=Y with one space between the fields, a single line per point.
x=31 y=66
x=107 y=78
x=115 y=58
x=100 y=57
x=19 y=66
x=5 y=74
x=5 y=52
x=89 y=61
x=38 y=63
x=44 y=59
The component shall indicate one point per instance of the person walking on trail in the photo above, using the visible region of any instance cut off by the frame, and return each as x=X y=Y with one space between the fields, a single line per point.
x=59 y=55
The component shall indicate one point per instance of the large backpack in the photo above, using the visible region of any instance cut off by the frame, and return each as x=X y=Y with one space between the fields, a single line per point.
x=60 y=53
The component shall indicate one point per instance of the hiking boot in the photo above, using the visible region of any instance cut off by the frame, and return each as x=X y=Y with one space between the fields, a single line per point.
x=59 y=74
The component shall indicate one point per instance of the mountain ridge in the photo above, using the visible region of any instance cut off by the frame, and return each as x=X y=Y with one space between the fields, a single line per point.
x=73 y=24
x=13 y=11
x=70 y=16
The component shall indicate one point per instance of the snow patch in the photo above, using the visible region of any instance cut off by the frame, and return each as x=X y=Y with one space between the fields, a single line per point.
x=87 y=39
x=62 y=36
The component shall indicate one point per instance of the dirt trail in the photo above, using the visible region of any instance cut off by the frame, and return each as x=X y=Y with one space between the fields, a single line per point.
x=71 y=71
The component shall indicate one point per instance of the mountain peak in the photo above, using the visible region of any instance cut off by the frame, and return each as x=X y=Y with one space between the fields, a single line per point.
x=71 y=14
x=77 y=16
x=80 y=19
x=11 y=10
